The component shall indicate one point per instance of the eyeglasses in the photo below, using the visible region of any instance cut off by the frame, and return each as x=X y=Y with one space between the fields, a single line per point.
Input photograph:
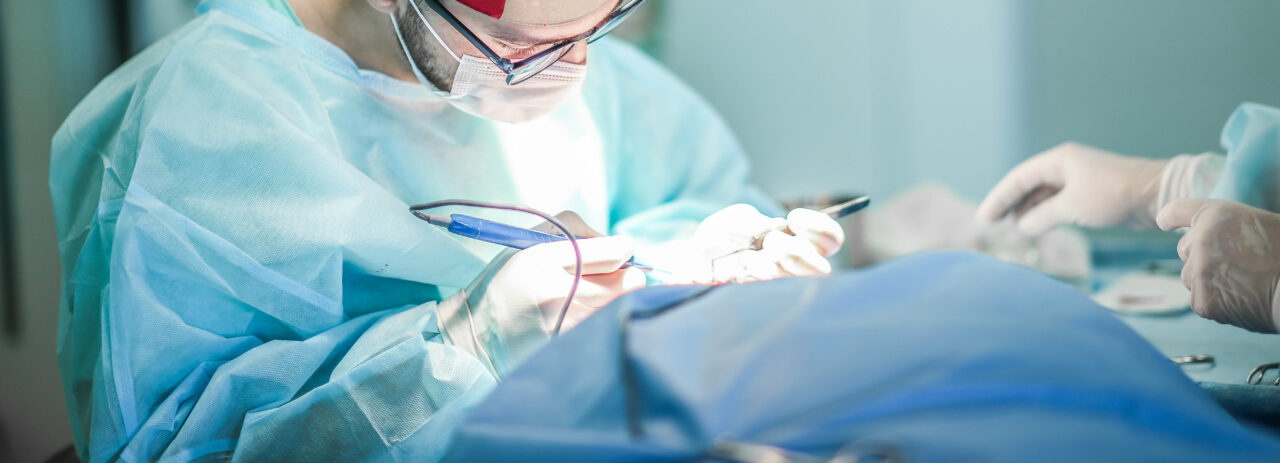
x=523 y=70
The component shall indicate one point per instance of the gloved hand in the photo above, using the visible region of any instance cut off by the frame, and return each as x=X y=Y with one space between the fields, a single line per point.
x=1232 y=260
x=1077 y=184
x=717 y=251
x=511 y=308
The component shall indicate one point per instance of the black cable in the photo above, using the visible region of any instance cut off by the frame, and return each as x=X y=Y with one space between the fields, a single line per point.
x=573 y=241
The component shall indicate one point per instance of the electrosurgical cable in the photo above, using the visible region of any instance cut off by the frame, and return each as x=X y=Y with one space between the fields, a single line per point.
x=505 y=235
x=568 y=235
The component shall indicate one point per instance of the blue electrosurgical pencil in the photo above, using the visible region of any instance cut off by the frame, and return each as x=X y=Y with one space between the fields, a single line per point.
x=503 y=234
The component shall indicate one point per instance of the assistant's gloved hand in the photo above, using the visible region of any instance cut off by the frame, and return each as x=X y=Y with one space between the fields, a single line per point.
x=511 y=308
x=1232 y=260
x=1077 y=184
x=715 y=254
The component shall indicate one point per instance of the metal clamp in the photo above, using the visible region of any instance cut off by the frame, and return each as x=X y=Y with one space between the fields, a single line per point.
x=1255 y=376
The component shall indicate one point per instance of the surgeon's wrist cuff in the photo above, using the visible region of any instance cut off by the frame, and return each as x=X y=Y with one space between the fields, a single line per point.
x=1188 y=176
x=457 y=326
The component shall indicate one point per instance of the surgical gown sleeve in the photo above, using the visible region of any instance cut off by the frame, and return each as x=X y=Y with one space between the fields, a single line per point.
x=1252 y=141
x=1248 y=173
x=674 y=161
x=229 y=284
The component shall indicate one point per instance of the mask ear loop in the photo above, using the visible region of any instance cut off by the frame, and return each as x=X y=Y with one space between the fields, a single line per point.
x=417 y=10
x=413 y=64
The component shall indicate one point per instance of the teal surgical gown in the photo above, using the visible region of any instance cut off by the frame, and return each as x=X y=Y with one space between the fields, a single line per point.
x=1251 y=174
x=240 y=270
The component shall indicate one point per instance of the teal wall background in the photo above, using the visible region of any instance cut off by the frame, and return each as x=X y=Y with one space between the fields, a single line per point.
x=877 y=96
x=1146 y=77
x=858 y=95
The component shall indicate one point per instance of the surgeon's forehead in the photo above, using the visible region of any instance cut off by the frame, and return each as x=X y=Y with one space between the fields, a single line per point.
x=536 y=12
x=516 y=33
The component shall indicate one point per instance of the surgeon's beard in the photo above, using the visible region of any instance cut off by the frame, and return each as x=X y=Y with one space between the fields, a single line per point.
x=422 y=45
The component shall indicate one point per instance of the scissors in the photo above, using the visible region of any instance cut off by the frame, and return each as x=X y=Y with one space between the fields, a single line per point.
x=1255 y=376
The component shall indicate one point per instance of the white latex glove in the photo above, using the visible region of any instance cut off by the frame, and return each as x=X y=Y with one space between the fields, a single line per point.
x=511 y=308
x=715 y=253
x=1232 y=260
x=1077 y=184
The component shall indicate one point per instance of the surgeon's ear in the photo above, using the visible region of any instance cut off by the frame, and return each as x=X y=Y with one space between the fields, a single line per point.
x=385 y=6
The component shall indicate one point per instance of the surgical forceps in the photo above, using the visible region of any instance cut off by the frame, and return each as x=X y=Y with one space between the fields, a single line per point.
x=836 y=212
x=1255 y=376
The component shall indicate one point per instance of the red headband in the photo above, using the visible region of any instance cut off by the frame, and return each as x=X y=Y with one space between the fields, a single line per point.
x=535 y=12
x=489 y=7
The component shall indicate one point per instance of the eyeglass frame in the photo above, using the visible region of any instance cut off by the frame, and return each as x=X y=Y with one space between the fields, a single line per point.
x=562 y=47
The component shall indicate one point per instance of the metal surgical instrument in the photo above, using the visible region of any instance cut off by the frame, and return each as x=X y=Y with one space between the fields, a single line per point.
x=1190 y=359
x=1255 y=376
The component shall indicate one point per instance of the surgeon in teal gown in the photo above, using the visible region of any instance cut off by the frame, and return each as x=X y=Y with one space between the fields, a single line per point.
x=241 y=276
